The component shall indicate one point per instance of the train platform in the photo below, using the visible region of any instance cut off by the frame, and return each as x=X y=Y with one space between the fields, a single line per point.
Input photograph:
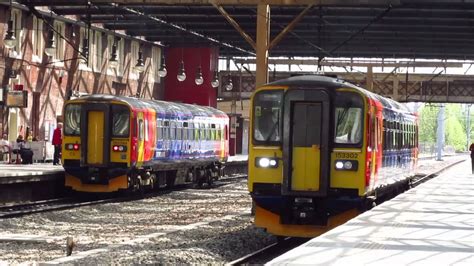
x=20 y=173
x=431 y=224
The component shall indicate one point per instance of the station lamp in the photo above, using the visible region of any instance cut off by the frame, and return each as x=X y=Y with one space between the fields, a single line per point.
x=10 y=40
x=162 y=72
x=85 y=50
x=50 y=49
x=113 y=63
x=229 y=86
x=199 y=79
x=181 y=72
x=140 y=66
x=215 y=80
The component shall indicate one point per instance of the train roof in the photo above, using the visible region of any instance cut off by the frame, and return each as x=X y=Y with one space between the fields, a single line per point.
x=167 y=109
x=334 y=83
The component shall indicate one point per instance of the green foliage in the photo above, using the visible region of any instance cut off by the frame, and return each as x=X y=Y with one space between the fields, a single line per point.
x=455 y=125
x=428 y=124
x=455 y=134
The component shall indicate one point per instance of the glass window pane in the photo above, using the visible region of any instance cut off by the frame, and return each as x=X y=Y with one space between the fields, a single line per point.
x=72 y=121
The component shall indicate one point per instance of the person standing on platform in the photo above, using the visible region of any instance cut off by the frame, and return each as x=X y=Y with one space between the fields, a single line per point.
x=471 y=148
x=57 y=141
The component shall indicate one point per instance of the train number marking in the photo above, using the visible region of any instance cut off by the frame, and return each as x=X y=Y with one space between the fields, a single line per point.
x=347 y=155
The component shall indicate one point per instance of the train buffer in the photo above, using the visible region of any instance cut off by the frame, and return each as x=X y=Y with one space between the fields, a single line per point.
x=431 y=224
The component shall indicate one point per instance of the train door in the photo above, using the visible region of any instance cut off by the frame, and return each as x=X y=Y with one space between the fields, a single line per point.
x=306 y=129
x=96 y=150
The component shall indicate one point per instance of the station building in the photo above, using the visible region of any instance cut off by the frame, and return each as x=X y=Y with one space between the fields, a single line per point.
x=34 y=85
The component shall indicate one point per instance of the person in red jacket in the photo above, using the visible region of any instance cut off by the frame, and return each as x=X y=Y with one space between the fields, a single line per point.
x=471 y=148
x=57 y=141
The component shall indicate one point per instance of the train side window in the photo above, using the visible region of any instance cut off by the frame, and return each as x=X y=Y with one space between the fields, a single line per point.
x=172 y=131
x=166 y=130
x=146 y=130
x=140 y=129
x=158 y=130
x=190 y=131
x=218 y=132
x=202 y=132
x=226 y=132
x=196 y=131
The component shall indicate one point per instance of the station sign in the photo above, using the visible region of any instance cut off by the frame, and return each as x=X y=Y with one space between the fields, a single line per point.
x=17 y=98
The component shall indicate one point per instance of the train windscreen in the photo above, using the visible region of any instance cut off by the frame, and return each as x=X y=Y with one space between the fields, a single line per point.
x=349 y=118
x=72 y=117
x=120 y=121
x=267 y=116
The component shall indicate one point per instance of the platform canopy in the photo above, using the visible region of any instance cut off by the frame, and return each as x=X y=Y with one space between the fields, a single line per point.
x=438 y=29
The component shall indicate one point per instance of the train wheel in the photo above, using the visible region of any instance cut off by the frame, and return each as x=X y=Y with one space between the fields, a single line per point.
x=209 y=177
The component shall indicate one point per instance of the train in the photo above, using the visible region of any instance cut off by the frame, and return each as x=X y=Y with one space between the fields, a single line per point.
x=322 y=151
x=126 y=144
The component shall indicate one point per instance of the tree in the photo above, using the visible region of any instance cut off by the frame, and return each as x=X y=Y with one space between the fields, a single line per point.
x=428 y=124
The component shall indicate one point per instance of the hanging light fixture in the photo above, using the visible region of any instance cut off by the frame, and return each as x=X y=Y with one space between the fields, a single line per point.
x=199 y=80
x=162 y=72
x=140 y=66
x=113 y=63
x=215 y=80
x=85 y=50
x=50 y=49
x=10 y=40
x=181 y=72
x=229 y=86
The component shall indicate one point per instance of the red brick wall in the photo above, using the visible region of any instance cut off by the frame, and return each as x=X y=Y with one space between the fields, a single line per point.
x=44 y=79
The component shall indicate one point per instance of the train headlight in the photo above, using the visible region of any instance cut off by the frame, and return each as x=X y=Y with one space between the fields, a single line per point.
x=346 y=165
x=264 y=162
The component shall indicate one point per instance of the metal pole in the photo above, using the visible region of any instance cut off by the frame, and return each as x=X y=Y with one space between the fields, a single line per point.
x=440 y=133
x=468 y=125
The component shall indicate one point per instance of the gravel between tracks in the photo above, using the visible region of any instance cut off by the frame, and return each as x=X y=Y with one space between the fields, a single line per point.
x=112 y=227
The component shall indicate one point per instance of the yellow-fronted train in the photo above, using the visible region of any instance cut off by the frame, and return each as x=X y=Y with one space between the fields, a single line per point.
x=322 y=150
x=115 y=143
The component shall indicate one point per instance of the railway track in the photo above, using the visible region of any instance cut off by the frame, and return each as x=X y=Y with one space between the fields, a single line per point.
x=418 y=179
x=16 y=210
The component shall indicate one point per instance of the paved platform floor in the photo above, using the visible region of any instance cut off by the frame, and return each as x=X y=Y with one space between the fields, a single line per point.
x=432 y=224
x=18 y=173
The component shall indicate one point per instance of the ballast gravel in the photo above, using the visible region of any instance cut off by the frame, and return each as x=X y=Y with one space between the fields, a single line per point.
x=111 y=226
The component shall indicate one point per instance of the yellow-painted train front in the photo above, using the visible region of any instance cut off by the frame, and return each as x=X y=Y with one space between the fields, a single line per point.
x=323 y=150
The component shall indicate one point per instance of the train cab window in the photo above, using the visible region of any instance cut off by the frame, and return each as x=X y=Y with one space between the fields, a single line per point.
x=120 y=121
x=267 y=116
x=72 y=117
x=349 y=118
